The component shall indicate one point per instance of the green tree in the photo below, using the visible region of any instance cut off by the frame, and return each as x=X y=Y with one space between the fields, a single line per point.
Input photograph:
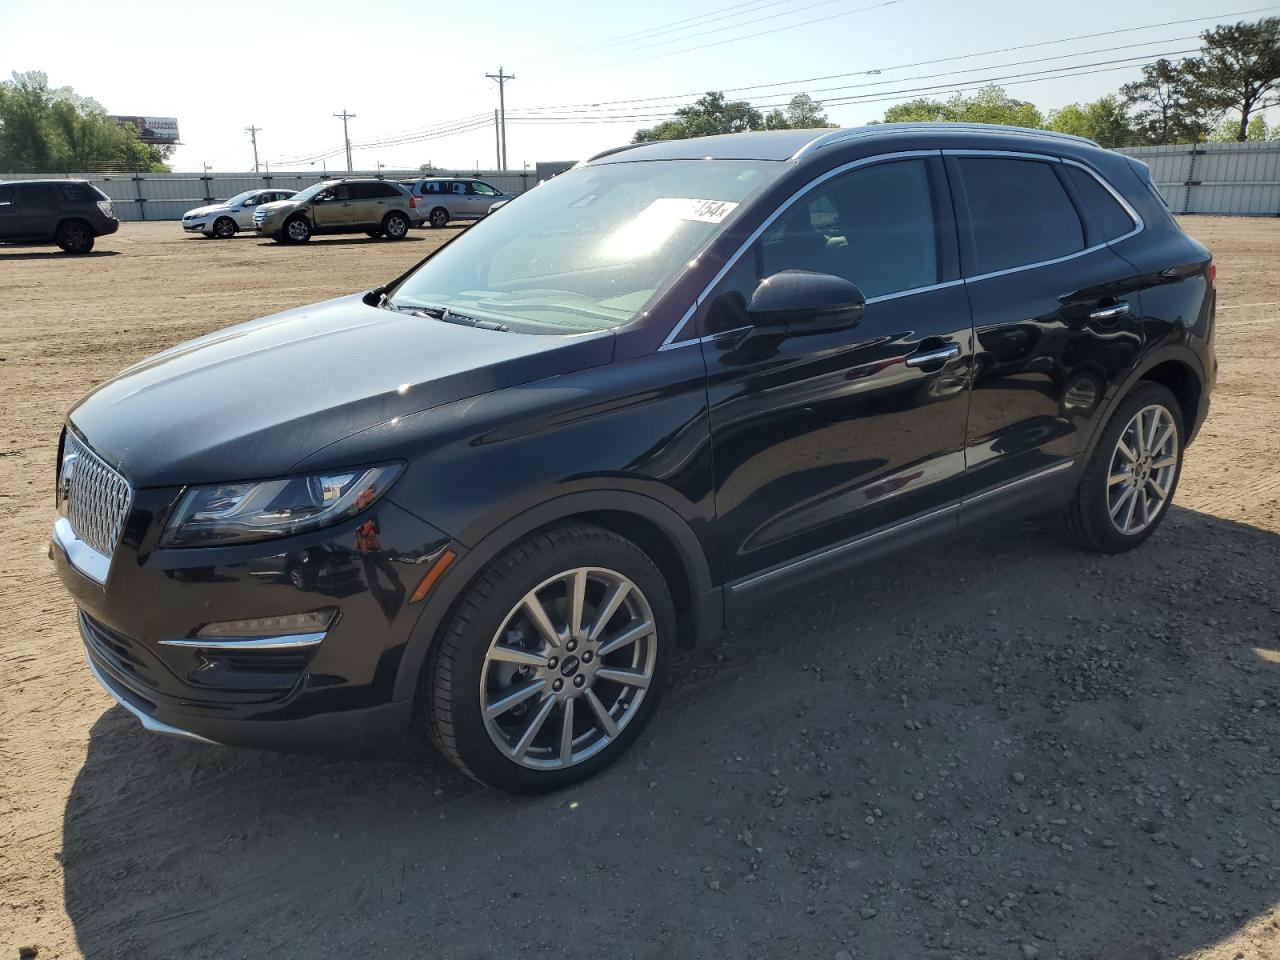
x=711 y=114
x=1103 y=120
x=44 y=130
x=989 y=105
x=1239 y=69
x=1169 y=108
x=1258 y=129
x=802 y=113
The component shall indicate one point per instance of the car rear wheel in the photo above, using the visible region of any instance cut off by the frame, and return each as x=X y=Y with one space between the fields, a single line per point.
x=74 y=236
x=552 y=661
x=395 y=226
x=1132 y=474
x=224 y=228
x=439 y=217
x=297 y=230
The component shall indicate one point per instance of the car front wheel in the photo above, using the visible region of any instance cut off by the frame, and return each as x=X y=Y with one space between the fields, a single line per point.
x=1129 y=482
x=552 y=662
x=224 y=228
x=297 y=230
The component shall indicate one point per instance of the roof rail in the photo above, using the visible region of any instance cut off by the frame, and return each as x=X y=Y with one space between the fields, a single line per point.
x=877 y=129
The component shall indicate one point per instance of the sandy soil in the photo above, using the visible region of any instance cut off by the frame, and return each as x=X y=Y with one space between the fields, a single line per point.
x=993 y=748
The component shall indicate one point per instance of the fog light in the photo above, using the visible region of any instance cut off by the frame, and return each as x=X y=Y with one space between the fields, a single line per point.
x=316 y=621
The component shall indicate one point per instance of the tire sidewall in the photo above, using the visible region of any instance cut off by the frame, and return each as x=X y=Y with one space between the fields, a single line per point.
x=221 y=234
x=444 y=219
x=1095 y=503
x=75 y=237
x=478 y=752
x=291 y=239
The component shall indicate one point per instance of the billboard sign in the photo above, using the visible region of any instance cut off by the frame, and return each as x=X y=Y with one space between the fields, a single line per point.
x=161 y=130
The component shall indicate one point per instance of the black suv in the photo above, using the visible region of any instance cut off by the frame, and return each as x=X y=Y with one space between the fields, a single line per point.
x=659 y=391
x=70 y=213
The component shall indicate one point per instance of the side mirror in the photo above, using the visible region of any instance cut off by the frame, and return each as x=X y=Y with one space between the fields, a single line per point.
x=804 y=302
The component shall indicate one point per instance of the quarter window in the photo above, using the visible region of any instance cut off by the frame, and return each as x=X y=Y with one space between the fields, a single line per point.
x=1104 y=216
x=874 y=226
x=1019 y=213
x=483 y=189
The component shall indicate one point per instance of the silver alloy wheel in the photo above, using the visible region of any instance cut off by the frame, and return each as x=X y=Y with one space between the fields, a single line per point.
x=439 y=218
x=298 y=230
x=568 y=668
x=1142 y=469
x=396 y=227
x=224 y=228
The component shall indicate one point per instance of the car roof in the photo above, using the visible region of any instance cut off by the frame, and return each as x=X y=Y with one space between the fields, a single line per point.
x=420 y=179
x=45 y=180
x=794 y=144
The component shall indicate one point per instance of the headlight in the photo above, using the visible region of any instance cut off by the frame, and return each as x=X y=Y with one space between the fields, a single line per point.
x=244 y=512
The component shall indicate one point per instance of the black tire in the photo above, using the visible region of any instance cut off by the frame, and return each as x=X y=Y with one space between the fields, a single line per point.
x=373 y=234
x=439 y=217
x=297 y=229
x=1087 y=519
x=224 y=228
x=449 y=692
x=395 y=225
x=74 y=236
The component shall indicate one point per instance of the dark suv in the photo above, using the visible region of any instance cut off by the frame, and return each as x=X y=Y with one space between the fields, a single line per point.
x=659 y=391
x=70 y=213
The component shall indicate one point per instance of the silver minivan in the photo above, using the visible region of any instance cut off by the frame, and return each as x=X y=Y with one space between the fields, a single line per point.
x=454 y=198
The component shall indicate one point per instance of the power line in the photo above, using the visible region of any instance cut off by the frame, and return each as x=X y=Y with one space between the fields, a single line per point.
x=676 y=25
x=253 y=131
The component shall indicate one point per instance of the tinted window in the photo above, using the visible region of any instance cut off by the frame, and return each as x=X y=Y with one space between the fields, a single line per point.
x=1105 y=217
x=7 y=194
x=431 y=186
x=341 y=191
x=483 y=189
x=457 y=187
x=40 y=193
x=76 y=191
x=383 y=190
x=873 y=226
x=1019 y=213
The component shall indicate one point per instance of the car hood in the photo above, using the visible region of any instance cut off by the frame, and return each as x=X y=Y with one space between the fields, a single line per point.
x=275 y=206
x=254 y=400
x=205 y=211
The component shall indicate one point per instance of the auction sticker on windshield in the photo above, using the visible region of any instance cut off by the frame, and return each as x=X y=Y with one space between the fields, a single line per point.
x=688 y=208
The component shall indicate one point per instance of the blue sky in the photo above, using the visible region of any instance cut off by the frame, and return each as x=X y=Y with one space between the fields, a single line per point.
x=408 y=69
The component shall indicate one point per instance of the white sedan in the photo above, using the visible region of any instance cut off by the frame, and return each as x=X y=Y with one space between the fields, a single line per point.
x=224 y=219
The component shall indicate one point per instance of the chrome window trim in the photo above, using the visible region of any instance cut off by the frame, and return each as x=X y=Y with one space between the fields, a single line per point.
x=778 y=211
x=670 y=342
x=1138 y=227
x=84 y=558
x=291 y=641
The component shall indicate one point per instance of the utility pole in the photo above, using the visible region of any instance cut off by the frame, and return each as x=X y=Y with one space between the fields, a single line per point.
x=346 y=139
x=501 y=79
x=497 y=139
x=252 y=131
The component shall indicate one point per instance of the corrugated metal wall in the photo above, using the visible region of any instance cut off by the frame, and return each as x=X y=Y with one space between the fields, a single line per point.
x=1224 y=178
x=167 y=196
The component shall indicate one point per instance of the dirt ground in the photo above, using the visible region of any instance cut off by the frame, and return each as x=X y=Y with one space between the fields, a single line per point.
x=997 y=747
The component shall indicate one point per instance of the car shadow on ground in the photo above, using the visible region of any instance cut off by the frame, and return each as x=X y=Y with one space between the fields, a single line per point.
x=331 y=241
x=19 y=253
x=994 y=746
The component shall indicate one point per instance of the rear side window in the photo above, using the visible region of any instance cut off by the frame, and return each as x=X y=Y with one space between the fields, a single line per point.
x=1104 y=216
x=40 y=193
x=76 y=192
x=383 y=190
x=1019 y=213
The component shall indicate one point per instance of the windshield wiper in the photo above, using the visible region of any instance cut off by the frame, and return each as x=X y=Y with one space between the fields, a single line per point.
x=448 y=316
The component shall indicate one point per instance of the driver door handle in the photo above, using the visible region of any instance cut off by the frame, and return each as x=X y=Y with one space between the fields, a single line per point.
x=1112 y=311
x=939 y=355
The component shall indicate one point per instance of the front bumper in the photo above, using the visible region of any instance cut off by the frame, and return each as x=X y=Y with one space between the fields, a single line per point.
x=197 y=226
x=337 y=692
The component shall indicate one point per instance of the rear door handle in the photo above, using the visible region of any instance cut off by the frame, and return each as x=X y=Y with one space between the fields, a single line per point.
x=1112 y=312
x=949 y=352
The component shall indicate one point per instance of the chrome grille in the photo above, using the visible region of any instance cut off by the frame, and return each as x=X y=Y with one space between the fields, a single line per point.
x=97 y=498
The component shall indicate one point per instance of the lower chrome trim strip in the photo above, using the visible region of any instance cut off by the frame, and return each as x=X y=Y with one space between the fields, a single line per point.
x=148 y=722
x=899 y=527
x=292 y=641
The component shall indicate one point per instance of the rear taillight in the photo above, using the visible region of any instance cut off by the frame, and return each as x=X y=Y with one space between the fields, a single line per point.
x=1211 y=273
x=413 y=203
x=105 y=207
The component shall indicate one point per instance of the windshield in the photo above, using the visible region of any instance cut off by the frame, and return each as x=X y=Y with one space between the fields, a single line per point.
x=241 y=198
x=589 y=249
x=310 y=192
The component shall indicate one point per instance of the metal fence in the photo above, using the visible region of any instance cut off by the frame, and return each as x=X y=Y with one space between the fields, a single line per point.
x=167 y=196
x=1223 y=178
